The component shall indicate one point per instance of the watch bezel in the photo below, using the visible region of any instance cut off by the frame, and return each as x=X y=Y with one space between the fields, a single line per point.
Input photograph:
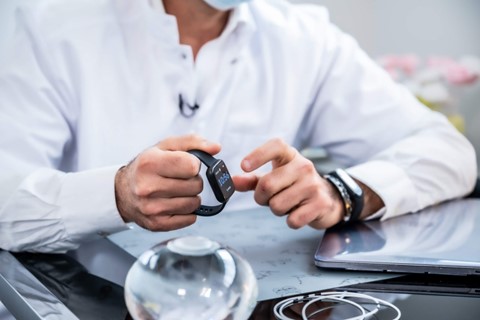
x=351 y=185
x=218 y=190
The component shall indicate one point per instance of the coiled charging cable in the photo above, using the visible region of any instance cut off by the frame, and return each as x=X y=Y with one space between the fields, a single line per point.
x=334 y=296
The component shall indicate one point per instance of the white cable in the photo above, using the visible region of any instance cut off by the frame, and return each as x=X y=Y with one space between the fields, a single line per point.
x=359 y=296
x=334 y=298
x=285 y=303
x=344 y=297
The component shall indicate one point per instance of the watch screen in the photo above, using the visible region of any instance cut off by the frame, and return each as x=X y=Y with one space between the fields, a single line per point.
x=223 y=180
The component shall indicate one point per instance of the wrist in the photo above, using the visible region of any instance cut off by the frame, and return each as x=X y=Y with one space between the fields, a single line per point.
x=337 y=207
x=120 y=195
x=372 y=201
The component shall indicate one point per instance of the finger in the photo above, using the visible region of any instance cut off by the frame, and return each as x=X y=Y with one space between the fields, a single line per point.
x=318 y=215
x=169 y=164
x=170 y=188
x=178 y=164
x=287 y=200
x=326 y=220
x=303 y=215
x=273 y=183
x=167 y=223
x=189 y=142
x=275 y=150
x=157 y=186
x=245 y=182
x=301 y=183
x=168 y=206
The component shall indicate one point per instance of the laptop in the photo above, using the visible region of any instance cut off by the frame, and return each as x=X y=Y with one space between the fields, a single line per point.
x=443 y=240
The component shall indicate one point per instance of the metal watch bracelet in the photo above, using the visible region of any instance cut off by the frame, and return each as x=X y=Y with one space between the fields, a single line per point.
x=347 y=201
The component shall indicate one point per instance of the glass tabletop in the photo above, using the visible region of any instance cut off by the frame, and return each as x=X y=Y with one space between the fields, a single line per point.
x=89 y=296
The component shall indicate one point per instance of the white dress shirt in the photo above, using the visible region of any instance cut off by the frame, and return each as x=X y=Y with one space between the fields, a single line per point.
x=89 y=84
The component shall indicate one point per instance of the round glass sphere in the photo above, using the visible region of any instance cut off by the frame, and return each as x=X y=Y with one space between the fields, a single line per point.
x=190 y=278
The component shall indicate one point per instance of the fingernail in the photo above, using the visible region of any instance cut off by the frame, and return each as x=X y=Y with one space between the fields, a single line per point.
x=246 y=165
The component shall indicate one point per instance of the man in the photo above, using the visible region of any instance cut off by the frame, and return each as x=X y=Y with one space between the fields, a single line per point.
x=90 y=85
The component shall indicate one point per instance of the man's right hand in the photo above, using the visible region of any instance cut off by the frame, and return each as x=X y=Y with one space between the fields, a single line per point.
x=159 y=190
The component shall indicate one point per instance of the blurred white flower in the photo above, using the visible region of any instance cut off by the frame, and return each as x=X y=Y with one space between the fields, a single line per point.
x=433 y=79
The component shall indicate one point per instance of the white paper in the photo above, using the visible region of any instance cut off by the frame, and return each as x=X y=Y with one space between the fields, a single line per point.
x=281 y=258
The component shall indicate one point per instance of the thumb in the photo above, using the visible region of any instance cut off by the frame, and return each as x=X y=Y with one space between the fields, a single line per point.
x=189 y=142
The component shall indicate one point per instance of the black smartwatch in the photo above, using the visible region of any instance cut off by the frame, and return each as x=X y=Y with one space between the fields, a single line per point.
x=220 y=181
x=350 y=191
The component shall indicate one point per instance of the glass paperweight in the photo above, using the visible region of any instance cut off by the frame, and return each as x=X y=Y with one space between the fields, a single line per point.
x=191 y=278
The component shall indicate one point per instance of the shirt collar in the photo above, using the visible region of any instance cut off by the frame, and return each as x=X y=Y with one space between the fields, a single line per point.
x=240 y=20
x=157 y=5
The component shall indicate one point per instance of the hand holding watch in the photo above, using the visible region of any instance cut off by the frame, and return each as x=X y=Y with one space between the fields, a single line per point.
x=223 y=188
x=219 y=179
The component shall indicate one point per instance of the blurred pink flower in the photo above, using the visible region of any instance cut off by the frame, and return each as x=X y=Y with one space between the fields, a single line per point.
x=409 y=67
x=460 y=75
x=406 y=64
x=453 y=72
x=439 y=62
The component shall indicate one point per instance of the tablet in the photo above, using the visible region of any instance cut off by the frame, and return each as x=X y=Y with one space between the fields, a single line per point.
x=443 y=239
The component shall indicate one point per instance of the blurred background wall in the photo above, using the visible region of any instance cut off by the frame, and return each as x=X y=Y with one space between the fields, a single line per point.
x=422 y=27
x=6 y=25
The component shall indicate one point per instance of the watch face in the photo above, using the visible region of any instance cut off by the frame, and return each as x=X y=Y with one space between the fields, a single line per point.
x=221 y=181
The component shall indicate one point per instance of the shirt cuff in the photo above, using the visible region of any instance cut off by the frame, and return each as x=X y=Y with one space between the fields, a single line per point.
x=88 y=206
x=390 y=183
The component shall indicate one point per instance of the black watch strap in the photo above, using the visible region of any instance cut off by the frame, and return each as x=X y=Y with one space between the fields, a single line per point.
x=205 y=157
x=208 y=211
x=350 y=192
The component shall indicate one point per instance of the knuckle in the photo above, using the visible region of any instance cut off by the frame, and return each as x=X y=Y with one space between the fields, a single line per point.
x=265 y=184
x=150 y=225
x=157 y=224
x=293 y=223
x=276 y=207
x=306 y=167
x=194 y=204
x=144 y=160
x=192 y=167
x=142 y=189
x=147 y=207
x=192 y=220
x=318 y=224
x=260 y=198
x=297 y=220
x=279 y=141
